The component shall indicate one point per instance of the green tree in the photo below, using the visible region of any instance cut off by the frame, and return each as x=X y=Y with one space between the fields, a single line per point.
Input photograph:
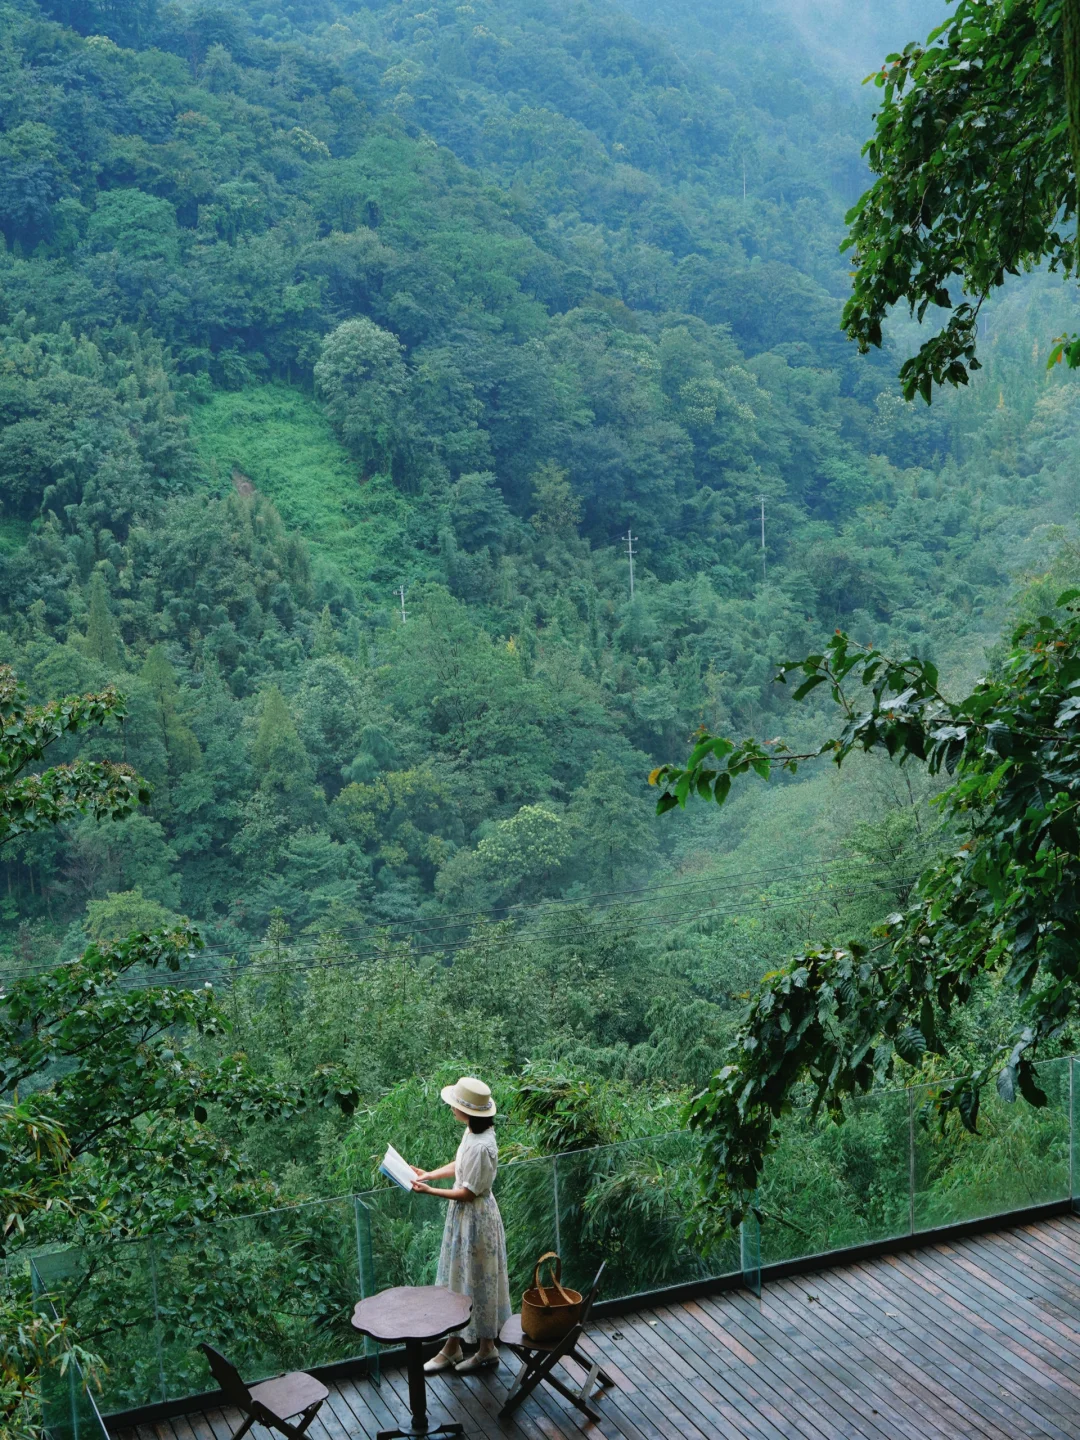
x=1001 y=906
x=140 y=226
x=101 y=639
x=521 y=856
x=95 y=1092
x=178 y=741
x=558 y=509
x=325 y=641
x=362 y=377
x=617 y=832
x=29 y=802
x=278 y=752
x=977 y=146
x=328 y=706
x=404 y=819
x=478 y=513
x=125 y=854
x=125 y=912
x=34 y=1146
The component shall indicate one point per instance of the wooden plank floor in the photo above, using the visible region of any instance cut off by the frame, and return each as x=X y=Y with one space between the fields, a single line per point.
x=980 y=1337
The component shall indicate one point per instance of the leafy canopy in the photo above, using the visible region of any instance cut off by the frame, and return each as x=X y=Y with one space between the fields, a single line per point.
x=975 y=148
x=1004 y=903
x=101 y=788
x=102 y=1104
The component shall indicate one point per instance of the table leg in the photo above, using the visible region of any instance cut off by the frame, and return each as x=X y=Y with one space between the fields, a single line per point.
x=414 y=1367
x=414 y=1361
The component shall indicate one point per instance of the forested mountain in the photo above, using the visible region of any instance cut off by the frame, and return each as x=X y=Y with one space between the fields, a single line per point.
x=343 y=345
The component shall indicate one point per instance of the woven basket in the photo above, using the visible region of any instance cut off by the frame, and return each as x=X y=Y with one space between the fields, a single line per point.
x=548 y=1315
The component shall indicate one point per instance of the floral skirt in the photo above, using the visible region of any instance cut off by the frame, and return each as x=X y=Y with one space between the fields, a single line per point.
x=472 y=1262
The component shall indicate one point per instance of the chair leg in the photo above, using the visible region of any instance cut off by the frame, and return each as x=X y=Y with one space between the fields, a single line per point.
x=525 y=1383
x=308 y=1417
x=516 y=1385
x=296 y=1432
x=587 y=1364
x=244 y=1428
x=574 y=1397
x=537 y=1366
x=589 y=1381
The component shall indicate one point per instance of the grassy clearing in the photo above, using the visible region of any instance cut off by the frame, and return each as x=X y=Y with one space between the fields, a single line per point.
x=278 y=438
x=13 y=535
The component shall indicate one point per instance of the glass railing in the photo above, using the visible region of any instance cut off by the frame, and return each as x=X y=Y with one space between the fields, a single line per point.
x=1020 y=1157
x=626 y=1204
x=275 y=1291
x=892 y=1170
x=69 y=1407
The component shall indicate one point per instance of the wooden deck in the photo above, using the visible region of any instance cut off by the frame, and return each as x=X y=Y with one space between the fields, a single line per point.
x=980 y=1337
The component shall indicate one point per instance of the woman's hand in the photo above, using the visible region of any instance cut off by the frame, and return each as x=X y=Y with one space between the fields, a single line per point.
x=459 y=1192
x=420 y=1174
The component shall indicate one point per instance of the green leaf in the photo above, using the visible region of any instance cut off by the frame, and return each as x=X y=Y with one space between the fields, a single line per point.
x=1029 y=1087
x=910 y=1044
x=807 y=685
x=968 y=1104
x=928 y=1027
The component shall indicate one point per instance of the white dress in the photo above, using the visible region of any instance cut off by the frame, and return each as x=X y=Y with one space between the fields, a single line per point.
x=472 y=1260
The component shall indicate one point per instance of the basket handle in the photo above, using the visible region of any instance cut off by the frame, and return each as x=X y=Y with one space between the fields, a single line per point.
x=556 y=1277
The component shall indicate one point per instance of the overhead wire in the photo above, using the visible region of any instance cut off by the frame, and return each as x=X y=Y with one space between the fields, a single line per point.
x=381 y=936
x=298 y=959
x=694 y=884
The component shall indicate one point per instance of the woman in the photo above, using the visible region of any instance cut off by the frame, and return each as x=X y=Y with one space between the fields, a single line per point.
x=473 y=1256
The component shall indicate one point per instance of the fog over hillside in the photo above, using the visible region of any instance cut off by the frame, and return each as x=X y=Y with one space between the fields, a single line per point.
x=840 y=39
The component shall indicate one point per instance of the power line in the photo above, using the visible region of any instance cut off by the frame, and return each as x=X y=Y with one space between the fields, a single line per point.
x=680 y=891
x=308 y=961
x=746 y=882
x=639 y=894
x=308 y=957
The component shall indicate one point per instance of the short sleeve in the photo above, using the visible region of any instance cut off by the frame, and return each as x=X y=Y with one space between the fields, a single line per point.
x=476 y=1166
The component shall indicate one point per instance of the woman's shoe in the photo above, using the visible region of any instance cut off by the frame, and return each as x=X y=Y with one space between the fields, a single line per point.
x=477 y=1362
x=441 y=1362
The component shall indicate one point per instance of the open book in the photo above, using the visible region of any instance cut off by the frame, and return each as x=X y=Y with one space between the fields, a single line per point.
x=396 y=1169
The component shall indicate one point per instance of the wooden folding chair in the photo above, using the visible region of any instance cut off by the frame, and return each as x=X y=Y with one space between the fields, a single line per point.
x=272 y=1403
x=539 y=1358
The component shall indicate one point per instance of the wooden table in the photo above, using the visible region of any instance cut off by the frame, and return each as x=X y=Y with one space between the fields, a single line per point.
x=414 y=1315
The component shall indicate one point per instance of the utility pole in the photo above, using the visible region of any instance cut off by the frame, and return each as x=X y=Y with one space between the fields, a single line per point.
x=762 y=499
x=630 y=553
x=401 y=592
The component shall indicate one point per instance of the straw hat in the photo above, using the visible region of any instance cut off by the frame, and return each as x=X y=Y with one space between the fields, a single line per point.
x=471 y=1096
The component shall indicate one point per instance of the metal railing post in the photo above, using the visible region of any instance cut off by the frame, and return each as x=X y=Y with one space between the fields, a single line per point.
x=1072 y=1130
x=555 y=1192
x=73 y=1402
x=750 y=1252
x=911 y=1159
x=157 y=1317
